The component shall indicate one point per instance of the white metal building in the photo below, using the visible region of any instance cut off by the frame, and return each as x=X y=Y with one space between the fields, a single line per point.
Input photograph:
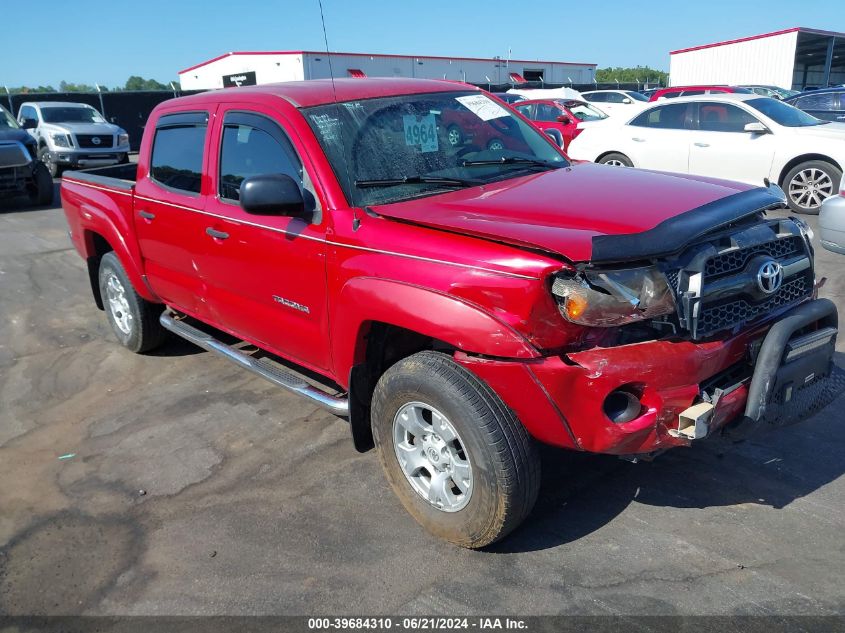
x=248 y=68
x=795 y=58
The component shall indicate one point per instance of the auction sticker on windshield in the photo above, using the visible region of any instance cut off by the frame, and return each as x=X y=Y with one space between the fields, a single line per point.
x=483 y=107
x=421 y=131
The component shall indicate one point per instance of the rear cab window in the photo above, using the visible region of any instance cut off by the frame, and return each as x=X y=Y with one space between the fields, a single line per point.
x=177 y=156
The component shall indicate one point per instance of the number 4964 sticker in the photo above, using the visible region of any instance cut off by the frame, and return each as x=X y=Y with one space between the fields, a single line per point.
x=421 y=131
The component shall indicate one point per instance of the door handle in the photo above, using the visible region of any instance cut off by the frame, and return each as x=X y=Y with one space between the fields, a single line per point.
x=637 y=139
x=220 y=235
x=702 y=144
x=147 y=215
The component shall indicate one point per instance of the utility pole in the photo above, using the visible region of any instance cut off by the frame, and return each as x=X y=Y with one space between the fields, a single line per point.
x=100 y=94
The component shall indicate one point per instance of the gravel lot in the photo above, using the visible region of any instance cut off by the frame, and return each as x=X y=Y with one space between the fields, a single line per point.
x=255 y=501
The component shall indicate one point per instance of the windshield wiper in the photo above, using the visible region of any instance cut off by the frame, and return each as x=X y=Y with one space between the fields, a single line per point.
x=511 y=160
x=418 y=180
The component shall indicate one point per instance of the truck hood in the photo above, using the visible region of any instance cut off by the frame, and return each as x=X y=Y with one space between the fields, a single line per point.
x=21 y=136
x=563 y=210
x=81 y=128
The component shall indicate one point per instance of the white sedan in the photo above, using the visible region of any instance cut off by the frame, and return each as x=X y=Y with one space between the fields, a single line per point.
x=732 y=136
x=617 y=102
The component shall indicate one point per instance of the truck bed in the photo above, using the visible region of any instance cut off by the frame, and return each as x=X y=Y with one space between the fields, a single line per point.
x=116 y=176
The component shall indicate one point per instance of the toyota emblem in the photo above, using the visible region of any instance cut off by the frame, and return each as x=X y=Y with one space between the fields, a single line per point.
x=96 y=140
x=770 y=276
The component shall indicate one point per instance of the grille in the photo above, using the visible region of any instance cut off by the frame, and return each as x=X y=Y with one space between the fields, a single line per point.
x=87 y=140
x=734 y=261
x=673 y=277
x=726 y=315
x=9 y=179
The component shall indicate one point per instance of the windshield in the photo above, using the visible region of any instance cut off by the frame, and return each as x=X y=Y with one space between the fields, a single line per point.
x=584 y=111
x=70 y=114
x=396 y=148
x=7 y=120
x=783 y=113
x=636 y=96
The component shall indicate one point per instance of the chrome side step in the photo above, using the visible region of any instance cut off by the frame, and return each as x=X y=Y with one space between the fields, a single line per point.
x=264 y=367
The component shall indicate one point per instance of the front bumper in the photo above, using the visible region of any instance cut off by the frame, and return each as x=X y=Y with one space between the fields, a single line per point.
x=560 y=399
x=84 y=158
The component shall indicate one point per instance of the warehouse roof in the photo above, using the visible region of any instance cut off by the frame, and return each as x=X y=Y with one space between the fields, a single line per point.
x=335 y=53
x=322 y=91
x=757 y=37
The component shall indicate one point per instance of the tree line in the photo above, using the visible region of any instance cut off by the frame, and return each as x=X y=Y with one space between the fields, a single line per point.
x=132 y=84
x=637 y=74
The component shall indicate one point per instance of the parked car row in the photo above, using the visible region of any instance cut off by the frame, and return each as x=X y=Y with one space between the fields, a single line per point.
x=740 y=137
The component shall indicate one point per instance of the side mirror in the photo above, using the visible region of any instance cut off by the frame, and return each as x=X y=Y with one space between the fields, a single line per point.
x=756 y=128
x=272 y=194
x=627 y=100
x=555 y=135
x=563 y=119
x=29 y=124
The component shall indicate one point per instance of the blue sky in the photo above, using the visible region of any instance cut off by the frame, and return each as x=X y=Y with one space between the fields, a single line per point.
x=105 y=42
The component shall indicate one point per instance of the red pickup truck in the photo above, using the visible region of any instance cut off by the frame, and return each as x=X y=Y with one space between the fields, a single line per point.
x=457 y=302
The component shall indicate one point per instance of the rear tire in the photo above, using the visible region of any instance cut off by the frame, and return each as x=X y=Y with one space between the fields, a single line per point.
x=41 y=193
x=133 y=319
x=615 y=159
x=808 y=184
x=470 y=450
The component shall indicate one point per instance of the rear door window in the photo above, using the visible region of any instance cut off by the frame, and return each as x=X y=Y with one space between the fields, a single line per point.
x=818 y=101
x=546 y=112
x=668 y=117
x=526 y=110
x=178 y=147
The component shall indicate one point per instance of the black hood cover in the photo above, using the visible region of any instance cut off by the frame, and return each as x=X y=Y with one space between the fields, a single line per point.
x=675 y=233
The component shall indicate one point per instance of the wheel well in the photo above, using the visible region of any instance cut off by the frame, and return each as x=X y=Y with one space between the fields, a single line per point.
x=598 y=158
x=98 y=246
x=803 y=159
x=382 y=345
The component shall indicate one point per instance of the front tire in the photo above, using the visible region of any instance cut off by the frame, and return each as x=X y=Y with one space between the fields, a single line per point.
x=807 y=185
x=133 y=319
x=46 y=157
x=41 y=192
x=615 y=160
x=458 y=459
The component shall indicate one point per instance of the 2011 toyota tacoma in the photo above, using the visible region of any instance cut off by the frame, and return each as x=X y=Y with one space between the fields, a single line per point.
x=458 y=302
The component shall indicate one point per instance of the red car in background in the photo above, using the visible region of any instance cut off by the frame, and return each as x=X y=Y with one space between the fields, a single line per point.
x=690 y=91
x=567 y=116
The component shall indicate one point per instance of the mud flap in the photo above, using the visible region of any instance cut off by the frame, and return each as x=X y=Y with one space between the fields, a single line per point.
x=794 y=375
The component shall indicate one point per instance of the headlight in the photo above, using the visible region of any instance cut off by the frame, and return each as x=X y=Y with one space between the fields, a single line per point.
x=610 y=298
x=122 y=139
x=60 y=140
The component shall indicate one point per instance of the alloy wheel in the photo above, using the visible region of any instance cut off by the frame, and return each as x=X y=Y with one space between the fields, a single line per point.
x=432 y=456
x=118 y=305
x=810 y=187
